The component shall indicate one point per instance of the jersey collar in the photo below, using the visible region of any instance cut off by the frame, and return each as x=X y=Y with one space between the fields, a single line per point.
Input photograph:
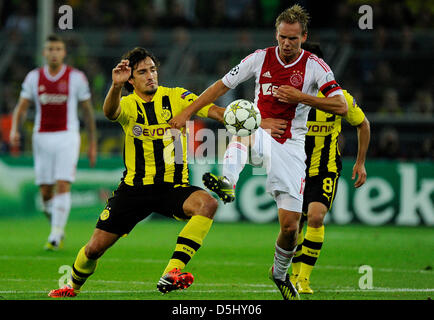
x=55 y=77
x=291 y=64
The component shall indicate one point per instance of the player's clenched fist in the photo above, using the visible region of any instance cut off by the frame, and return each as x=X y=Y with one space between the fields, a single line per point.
x=121 y=73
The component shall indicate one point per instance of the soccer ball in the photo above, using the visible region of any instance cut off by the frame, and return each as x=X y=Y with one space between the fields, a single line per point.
x=242 y=118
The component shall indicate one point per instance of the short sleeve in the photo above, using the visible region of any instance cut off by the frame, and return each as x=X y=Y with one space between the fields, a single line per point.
x=243 y=71
x=83 y=90
x=125 y=114
x=29 y=84
x=355 y=115
x=324 y=77
x=187 y=98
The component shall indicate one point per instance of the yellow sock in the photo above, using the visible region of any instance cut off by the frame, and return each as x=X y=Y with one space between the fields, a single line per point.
x=189 y=241
x=81 y=269
x=296 y=263
x=312 y=244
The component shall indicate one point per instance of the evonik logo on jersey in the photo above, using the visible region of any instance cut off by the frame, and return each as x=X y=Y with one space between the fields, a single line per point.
x=155 y=132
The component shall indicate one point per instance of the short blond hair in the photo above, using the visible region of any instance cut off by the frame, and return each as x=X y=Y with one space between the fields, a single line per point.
x=294 y=14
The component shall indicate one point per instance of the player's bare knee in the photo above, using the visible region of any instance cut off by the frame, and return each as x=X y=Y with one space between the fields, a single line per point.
x=63 y=186
x=289 y=224
x=316 y=221
x=316 y=218
x=200 y=203
x=47 y=192
x=208 y=207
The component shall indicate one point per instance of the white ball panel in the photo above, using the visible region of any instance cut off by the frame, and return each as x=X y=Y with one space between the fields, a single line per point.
x=243 y=133
x=230 y=118
x=242 y=114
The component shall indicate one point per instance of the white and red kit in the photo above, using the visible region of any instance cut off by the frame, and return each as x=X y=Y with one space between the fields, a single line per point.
x=56 y=134
x=284 y=158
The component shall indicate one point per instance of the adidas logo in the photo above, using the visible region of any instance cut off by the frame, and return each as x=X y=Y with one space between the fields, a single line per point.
x=266 y=74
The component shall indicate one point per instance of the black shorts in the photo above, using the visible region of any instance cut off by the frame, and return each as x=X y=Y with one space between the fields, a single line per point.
x=321 y=188
x=130 y=205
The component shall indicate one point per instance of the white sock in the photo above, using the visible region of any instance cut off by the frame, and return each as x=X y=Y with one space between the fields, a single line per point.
x=48 y=206
x=60 y=214
x=234 y=160
x=282 y=261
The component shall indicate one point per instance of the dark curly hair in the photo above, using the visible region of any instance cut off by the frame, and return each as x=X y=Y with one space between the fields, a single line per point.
x=54 y=38
x=135 y=56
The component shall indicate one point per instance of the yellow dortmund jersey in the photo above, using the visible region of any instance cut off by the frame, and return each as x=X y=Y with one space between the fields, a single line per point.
x=152 y=152
x=321 y=145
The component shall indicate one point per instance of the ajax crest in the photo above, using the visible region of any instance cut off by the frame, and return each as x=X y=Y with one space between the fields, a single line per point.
x=296 y=78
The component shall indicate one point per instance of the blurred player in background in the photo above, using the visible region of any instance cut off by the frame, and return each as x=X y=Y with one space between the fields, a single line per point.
x=323 y=167
x=156 y=178
x=287 y=82
x=56 y=89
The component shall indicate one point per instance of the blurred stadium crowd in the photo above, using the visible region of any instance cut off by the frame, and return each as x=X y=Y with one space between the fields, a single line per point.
x=389 y=70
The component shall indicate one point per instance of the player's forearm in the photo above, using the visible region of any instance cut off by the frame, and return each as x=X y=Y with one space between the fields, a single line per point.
x=19 y=113
x=89 y=120
x=111 y=106
x=336 y=104
x=216 y=113
x=363 y=138
x=211 y=94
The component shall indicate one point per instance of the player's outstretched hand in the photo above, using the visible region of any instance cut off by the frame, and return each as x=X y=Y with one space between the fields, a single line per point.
x=121 y=73
x=359 y=171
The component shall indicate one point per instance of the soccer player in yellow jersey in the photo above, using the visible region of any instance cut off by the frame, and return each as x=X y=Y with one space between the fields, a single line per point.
x=323 y=167
x=156 y=176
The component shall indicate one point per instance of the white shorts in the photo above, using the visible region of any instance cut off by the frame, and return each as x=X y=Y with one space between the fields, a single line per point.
x=55 y=156
x=285 y=166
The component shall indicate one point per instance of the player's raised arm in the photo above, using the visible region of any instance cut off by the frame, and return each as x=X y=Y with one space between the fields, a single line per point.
x=120 y=74
x=211 y=94
x=17 y=117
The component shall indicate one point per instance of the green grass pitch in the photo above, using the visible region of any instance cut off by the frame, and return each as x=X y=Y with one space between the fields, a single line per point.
x=231 y=265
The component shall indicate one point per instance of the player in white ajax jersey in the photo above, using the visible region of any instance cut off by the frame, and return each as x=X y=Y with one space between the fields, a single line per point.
x=55 y=89
x=287 y=80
